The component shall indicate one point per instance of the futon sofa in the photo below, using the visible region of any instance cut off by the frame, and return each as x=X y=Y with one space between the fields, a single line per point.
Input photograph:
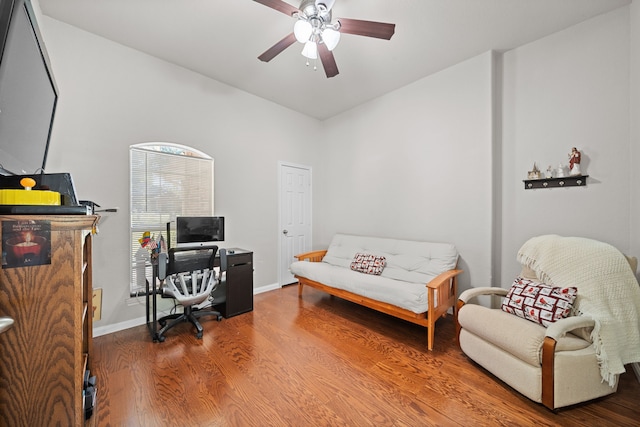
x=414 y=281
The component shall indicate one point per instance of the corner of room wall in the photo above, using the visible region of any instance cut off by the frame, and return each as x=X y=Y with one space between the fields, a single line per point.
x=634 y=157
x=496 y=158
x=416 y=164
x=568 y=89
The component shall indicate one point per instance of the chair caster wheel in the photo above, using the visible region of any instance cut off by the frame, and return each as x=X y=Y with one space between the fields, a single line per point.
x=162 y=323
x=219 y=318
x=199 y=335
x=161 y=338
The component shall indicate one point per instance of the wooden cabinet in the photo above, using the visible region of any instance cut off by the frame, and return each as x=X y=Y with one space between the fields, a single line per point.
x=48 y=293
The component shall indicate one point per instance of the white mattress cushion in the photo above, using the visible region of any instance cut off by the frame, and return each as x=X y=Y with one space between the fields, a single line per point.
x=407 y=295
x=409 y=261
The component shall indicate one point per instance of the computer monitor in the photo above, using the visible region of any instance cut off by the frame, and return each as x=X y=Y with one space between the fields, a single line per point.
x=199 y=230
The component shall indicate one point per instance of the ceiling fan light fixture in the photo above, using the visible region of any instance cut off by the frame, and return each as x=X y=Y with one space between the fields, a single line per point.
x=330 y=37
x=328 y=4
x=315 y=29
x=310 y=50
x=302 y=30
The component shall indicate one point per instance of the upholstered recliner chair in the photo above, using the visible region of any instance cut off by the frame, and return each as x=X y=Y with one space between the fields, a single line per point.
x=552 y=359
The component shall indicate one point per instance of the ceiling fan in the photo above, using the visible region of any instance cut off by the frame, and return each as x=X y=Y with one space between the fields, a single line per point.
x=320 y=36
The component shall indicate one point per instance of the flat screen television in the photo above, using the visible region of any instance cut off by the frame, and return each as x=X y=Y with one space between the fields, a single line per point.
x=28 y=92
x=199 y=230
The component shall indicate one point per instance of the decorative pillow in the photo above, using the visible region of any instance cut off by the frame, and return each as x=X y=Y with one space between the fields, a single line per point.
x=367 y=263
x=539 y=302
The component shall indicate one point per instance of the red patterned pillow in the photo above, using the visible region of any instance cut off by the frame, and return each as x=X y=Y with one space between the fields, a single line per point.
x=539 y=302
x=370 y=264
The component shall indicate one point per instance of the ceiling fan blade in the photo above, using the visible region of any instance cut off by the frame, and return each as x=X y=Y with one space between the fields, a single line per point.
x=379 y=30
x=277 y=48
x=279 y=5
x=328 y=61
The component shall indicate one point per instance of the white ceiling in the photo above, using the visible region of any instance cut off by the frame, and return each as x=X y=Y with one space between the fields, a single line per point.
x=222 y=39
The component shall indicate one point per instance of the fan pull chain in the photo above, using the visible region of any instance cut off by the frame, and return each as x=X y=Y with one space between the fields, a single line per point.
x=315 y=64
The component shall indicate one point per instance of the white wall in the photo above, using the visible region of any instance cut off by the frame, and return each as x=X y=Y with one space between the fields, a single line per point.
x=424 y=162
x=416 y=164
x=112 y=97
x=635 y=126
x=568 y=89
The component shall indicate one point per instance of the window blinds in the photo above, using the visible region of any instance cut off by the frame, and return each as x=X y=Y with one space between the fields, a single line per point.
x=166 y=181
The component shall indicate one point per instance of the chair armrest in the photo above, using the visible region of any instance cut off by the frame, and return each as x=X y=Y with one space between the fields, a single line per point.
x=313 y=256
x=560 y=328
x=469 y=294
x=162 y=266
x=554 y=332
x=441 y=278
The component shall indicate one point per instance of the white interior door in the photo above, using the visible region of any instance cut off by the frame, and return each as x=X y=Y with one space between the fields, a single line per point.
x=295 y=217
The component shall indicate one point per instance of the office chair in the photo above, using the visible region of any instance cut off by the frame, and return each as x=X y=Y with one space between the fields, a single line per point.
x=190 y=279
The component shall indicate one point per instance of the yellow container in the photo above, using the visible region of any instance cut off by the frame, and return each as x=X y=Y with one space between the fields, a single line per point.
x=33 y=197
x=29 y=196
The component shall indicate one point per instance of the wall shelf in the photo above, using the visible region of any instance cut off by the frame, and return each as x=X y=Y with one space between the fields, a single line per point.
x=567 y=181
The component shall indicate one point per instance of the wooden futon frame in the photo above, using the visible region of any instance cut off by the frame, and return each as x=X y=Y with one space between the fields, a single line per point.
x=442 y=296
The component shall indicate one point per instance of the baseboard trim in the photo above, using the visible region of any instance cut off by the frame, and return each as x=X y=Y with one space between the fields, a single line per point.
x=115 y=327
x=266 y=288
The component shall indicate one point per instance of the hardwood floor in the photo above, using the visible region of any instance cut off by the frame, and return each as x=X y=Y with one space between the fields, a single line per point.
x=317 y=361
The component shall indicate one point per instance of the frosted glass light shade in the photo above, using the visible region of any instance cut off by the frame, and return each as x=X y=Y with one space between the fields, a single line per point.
x=310 y=50
x=302 y=30
x=331 y=38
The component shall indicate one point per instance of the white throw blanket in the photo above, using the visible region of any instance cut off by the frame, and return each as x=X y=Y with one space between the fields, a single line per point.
x=607 y=291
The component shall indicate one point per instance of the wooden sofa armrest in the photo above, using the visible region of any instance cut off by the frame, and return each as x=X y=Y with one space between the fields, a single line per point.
x=446 y=285
x=442 y=292
x=441 y=278
x=313 y=256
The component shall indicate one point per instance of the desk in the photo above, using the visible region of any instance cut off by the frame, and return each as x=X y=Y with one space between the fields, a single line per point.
x=239 y=298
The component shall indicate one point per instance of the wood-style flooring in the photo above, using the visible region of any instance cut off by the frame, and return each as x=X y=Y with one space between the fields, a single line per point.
x=318 y=361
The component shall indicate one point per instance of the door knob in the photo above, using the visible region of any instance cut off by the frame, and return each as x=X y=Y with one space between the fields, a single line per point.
x=285 y=232
x=5 y=323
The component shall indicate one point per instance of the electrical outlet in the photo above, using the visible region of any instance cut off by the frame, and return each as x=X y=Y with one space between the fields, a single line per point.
x=97 y=304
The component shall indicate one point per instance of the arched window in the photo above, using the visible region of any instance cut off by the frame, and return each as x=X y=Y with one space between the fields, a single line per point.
x=167 y=180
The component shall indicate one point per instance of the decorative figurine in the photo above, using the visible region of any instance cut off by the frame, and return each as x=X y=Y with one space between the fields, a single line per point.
x=535 y=173
x=574 y=162
x=549 y=172
x=560 y=173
